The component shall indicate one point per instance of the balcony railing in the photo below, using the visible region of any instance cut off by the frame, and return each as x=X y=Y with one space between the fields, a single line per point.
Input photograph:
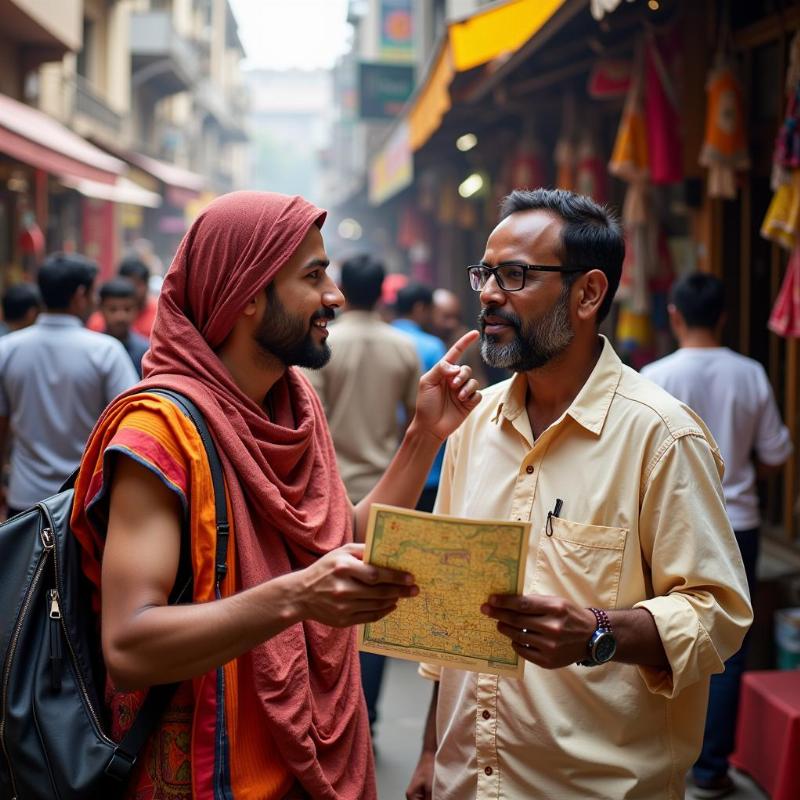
x=162 y=58
x=89 y=103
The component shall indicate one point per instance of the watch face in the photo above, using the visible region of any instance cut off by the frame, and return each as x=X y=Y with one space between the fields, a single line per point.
x=605 y=646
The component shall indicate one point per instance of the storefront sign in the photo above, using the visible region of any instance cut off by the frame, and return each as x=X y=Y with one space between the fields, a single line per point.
x=397 y=29
x=393 y=168
x=383 y=89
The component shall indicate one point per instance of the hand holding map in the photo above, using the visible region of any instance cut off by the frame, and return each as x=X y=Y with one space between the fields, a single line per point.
x=457 y=564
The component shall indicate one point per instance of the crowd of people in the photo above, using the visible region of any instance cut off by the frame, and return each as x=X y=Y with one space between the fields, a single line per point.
x=322 y=400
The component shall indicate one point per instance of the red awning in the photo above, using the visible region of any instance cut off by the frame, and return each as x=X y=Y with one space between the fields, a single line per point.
x=35 y=138
x=168 y=174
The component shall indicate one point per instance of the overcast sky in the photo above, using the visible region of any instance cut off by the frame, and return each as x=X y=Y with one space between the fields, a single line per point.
x=280 y=34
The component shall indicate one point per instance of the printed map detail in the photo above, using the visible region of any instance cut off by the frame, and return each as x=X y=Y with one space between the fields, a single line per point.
x=457 y=564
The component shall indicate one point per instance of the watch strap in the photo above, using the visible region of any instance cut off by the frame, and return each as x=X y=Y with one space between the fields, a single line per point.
x=603 y=626
x=603 y=622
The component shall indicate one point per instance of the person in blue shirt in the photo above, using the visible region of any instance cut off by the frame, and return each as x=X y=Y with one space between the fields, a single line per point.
x=414 y=310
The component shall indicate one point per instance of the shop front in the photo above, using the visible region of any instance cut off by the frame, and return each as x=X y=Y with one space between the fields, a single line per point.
x=669 y=111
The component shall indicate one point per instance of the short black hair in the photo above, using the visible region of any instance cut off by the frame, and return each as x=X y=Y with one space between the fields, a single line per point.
x=134 y=268
x=591 y=235
x=700 y=298
x=117 y=288
x=411 y=294
x=362 y=280
x=61 y=275
x=19 y=299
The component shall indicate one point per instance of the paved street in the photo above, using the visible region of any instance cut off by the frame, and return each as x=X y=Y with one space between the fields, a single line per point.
x=403 y=707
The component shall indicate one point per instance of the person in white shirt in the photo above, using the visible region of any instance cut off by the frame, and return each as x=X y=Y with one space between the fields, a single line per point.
x=733 y=396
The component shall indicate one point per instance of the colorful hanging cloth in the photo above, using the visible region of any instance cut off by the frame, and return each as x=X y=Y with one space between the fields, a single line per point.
x=629 y=158
x=787 y=143
x=564 y=154
x=725 y=147
x=662 y=108
x=785 y=317
x=527 y=169
x=782 y=221
x=609 y=78
x=590 y=173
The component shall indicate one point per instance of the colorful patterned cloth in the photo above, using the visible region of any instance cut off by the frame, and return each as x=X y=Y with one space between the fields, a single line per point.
x=153 y=432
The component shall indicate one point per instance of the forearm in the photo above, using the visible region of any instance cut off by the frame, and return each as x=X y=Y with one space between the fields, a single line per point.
x=638 y=640
x=164 y=644
x=403 y=481
x=429 y=736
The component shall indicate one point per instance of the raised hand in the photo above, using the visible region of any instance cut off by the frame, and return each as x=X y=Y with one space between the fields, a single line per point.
x=447 y=392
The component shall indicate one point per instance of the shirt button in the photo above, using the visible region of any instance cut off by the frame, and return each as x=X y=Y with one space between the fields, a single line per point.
x=488 y=770
x=486 y=715
x=529 y=469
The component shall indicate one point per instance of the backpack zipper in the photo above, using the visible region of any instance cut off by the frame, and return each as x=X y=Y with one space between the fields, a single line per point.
x=56 y=656
x=75 y=667
x=48 y=542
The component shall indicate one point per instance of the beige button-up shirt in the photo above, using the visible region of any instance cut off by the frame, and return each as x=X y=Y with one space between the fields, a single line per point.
x=372 y=376
x=642 y=524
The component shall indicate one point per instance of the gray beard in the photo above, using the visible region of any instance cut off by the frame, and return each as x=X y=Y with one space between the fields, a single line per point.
x=534 y=344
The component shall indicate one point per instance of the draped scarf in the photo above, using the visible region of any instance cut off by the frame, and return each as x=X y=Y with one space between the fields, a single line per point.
x=288 y=502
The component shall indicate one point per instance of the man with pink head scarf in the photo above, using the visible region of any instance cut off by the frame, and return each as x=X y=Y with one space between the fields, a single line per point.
x=271 y=705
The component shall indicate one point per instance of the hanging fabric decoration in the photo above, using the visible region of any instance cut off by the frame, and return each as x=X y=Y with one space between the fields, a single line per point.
x=787 y=144
x=600 y=8
x=785 y=317
x=662 y=107
x=629 y=158
x=565 y=155
x=724 y=150
x=782 y=221
x=630 y=162
x=527 y=169
x=609 y=78
x=591 y=178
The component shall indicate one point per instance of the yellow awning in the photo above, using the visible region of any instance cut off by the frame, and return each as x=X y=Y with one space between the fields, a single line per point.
x=489 y=34
x=469 y=43
x=496 y=32
x=433 y=102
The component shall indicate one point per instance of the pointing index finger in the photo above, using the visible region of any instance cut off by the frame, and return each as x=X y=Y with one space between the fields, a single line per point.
x=453 y=355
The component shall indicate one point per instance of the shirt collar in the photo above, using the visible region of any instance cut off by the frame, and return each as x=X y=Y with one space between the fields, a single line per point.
x=58 y=320
x=589 y=408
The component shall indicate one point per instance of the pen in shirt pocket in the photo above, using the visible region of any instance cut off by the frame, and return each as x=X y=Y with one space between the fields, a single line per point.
x=554 y=513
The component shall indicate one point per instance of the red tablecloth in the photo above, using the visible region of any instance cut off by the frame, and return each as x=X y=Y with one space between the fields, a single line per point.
x=768 y=732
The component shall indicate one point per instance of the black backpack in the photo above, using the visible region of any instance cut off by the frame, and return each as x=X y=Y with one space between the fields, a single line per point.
x=52 y=732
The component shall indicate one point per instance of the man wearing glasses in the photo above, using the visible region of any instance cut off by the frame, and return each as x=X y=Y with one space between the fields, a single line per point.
x=634 y=591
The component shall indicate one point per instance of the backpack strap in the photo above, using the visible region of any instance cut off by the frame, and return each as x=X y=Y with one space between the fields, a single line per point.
x=159 y=697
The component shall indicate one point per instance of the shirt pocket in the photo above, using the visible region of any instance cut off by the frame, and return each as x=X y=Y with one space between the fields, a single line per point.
x=580 y=562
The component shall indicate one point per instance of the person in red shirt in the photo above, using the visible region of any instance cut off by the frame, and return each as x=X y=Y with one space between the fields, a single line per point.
x=136 y=271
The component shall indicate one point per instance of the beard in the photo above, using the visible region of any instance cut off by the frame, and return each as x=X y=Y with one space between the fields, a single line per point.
x=289 y=338
x=535 y=343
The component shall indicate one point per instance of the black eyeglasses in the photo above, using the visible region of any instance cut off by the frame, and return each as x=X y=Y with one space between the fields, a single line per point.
x=510 y=277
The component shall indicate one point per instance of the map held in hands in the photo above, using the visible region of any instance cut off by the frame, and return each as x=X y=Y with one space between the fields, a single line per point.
x=457 y=563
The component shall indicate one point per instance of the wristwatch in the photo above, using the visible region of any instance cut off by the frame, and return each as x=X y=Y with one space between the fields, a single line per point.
x=602 y=644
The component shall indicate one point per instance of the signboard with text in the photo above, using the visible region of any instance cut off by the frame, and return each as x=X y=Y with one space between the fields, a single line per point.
x=383 y=89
